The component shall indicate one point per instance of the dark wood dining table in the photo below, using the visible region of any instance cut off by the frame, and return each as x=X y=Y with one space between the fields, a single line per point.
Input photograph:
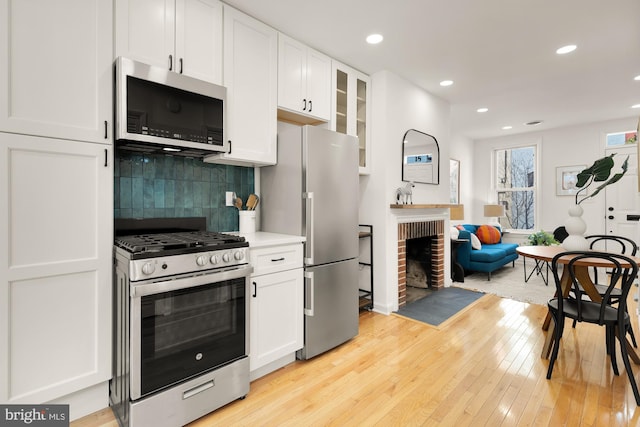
x=546 y=253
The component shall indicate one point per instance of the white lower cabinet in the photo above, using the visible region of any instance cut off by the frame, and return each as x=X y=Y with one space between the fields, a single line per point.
x=277 y=299
x=55 y=268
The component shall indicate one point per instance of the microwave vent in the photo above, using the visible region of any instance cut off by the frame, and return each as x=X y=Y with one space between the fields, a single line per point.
x=142 y=148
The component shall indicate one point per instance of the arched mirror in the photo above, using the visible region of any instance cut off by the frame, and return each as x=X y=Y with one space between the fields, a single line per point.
x=420 y=158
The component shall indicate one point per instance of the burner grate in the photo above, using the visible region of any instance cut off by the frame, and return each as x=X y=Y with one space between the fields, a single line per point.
x=160 y=242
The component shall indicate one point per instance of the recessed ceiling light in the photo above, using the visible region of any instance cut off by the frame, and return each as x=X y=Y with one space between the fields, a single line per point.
x=446 y=83
x=171 y=149
x=566 y=49
x=636 y=78
x=507 y=127
x=635 y=106
x=482 y=110
x=533 y=123
x=374 y=38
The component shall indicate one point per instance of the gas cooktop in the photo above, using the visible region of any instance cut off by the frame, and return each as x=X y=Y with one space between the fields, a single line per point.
x=183 y=241
x=145 y=238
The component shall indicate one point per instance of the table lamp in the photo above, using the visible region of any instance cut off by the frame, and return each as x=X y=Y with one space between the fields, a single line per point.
x=494 y=211
x=456 y=212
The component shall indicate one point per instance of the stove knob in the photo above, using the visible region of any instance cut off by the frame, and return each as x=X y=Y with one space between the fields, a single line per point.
x=148 y=268
x=215 y=259
x=239 y=255
x=202 y=260
x=226 y=257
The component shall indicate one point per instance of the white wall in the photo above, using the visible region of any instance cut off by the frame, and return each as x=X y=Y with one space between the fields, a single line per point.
x=397 y=106
x=462 y=149
x=576 y=145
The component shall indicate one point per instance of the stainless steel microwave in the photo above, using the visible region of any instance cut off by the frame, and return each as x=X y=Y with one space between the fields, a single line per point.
x=161 y=110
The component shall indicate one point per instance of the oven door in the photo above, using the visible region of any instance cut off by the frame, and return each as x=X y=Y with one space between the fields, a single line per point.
x=184 y=327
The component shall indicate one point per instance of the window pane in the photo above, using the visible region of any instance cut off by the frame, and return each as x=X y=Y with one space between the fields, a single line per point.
x=516 y=186
x=519 y=209
x=515 y=168
x=622 y=138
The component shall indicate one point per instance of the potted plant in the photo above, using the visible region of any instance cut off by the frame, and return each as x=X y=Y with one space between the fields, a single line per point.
x=542 y=238
x=598 y=172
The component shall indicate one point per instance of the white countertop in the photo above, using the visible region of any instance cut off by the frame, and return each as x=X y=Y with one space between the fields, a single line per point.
x=262 y=238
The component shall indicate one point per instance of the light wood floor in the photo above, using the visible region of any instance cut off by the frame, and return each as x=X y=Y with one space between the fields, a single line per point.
x=482 y=367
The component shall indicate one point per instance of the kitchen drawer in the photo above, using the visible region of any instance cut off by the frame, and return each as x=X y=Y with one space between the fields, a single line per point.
x=273 y=259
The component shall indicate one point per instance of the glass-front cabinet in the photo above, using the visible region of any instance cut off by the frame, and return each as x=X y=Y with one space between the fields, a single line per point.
x=351 y=108
x=361 y=122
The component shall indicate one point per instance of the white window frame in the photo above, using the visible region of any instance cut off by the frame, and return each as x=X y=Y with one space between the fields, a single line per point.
x=537 y=145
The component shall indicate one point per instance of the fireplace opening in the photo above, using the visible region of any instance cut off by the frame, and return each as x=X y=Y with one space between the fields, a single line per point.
x=426 y=258
x=419 y=264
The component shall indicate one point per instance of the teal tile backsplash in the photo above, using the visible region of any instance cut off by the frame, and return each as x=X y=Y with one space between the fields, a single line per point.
x=164 y=186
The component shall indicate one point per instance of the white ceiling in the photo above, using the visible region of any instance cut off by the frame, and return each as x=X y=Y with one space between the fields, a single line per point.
x=500 y=53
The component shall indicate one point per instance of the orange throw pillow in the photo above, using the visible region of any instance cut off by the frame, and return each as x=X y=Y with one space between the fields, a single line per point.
x=488 y=234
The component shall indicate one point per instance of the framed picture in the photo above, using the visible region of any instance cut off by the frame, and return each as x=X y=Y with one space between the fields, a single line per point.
x=454 y=181
x=566 y=179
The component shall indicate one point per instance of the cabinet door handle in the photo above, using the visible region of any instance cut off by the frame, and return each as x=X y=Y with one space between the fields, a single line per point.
x=277 y=259
x=255 y=290
x=106 y=153
x=105 y=130
x=170 y=62
x=180 y=65
x=304 y=107
x=310 y=105
x=229 y=147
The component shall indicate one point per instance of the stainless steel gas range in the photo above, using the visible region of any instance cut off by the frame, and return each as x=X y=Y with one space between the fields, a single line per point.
x=181 y=340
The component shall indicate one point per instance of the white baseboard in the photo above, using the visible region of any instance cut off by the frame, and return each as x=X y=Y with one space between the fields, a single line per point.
x=273 y=366
x=86 y=401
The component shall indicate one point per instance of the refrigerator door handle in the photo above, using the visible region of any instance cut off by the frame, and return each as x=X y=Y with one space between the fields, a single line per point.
x=308 y=292
x=309 y=224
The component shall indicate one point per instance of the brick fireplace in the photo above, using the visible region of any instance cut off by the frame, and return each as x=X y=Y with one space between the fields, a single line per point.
x=414 y=230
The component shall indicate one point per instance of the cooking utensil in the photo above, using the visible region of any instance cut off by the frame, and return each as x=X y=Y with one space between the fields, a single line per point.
x=252 y=201
x=238 y=203
x=256 y=202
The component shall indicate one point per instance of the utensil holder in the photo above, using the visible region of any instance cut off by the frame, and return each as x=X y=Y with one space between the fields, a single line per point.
x=247 y=221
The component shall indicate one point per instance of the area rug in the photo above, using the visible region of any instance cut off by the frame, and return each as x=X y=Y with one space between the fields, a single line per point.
x=440 y=305
x=508 y=282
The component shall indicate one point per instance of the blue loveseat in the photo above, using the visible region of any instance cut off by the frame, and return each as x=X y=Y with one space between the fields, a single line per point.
x=487 y=259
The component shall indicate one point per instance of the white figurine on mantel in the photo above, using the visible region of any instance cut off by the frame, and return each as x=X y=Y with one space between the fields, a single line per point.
x=405 y=193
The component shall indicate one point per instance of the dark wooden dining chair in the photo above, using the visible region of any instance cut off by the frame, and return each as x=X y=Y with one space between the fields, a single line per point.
x=615 y=319
x=616 y=244
x=560 y=234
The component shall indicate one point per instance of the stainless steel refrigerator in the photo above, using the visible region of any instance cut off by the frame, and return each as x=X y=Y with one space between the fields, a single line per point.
x=313 y=192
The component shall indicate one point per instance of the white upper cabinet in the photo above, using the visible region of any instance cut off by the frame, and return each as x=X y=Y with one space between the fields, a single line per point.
x=351 y=109
x=184 y=36
x=251 y=78
x=304 y=82
x=56 y=75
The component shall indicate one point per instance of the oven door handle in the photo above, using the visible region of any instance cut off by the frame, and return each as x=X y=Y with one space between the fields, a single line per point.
x=190 y=281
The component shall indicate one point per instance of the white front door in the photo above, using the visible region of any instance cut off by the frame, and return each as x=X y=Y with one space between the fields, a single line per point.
x=622 y=199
